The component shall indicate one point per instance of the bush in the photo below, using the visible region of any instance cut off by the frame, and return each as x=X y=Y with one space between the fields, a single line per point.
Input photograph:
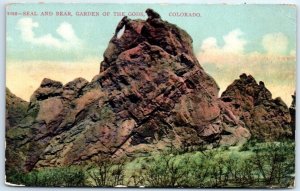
x=275 y=162
x=261 y=165
x=107 y=174
x=64 y=176
x=164 y=171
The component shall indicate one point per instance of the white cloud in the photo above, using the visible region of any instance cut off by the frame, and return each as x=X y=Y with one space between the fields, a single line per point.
x=233 y=44
x=65 y=31
x=275 y=43
x=210 y=45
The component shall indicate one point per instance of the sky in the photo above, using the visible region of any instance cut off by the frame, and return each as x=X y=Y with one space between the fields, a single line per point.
x=228 y=40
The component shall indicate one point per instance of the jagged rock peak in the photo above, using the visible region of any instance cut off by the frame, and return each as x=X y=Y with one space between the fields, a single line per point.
x=48 y=88
x=154 y=31
x=247 y=85
x=266 y=118
x=46 y=82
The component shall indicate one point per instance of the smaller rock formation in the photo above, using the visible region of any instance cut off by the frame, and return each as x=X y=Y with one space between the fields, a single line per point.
x=48 y=88
x=293 y=115
x=266 y=118
x=16 y=109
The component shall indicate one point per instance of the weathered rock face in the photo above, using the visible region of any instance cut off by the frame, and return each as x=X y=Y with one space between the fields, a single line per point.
x=151 y=94
x=16 y=109
x=266 y=118
x=293 y=115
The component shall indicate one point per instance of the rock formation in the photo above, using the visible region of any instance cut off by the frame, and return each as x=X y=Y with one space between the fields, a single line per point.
x=293 y=115
x=151 y=94
x=266 y=118
x=16 y=109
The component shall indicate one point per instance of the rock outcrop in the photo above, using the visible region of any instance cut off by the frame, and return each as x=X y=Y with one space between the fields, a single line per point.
x=15 y=114
x=293 y=115
x=151 y=94
x=16 y=109
x=266 y=118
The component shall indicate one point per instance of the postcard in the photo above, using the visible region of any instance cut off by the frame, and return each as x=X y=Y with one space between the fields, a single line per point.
x=150 y=95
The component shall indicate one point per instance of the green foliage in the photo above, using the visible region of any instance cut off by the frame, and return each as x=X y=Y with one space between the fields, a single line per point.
x=256 y=164
x=249 y=145
x=275 y=162
x=165 y=171
x=107 y=174
x=65 y=176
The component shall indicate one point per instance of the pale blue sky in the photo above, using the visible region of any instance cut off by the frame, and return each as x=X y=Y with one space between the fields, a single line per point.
x=216 y=20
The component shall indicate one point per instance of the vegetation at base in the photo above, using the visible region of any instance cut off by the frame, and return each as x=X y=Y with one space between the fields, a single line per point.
x=107 y=174
x=255 y=164
x=63 y=176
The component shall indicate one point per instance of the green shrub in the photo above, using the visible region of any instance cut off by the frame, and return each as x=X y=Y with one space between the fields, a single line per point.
x=260 y=165
x=107 y=174
x=164 y=171
x=64 y=176
x=257 y=164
